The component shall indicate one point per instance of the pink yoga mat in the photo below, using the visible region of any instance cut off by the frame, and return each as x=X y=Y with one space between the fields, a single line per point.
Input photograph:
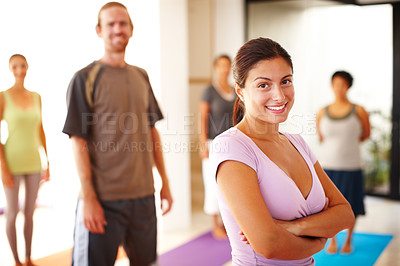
x=204 y=250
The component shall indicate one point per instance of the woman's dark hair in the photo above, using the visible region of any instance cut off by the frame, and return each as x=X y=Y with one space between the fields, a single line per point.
x=252 y=52
x=222 y=56
x=17 y=55
x=345 y=75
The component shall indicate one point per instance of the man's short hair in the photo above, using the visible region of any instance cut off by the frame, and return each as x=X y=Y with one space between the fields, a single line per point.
x=110 y=5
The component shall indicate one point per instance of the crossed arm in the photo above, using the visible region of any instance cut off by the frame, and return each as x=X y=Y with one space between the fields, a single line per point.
x=336 y=216
x=280 y=239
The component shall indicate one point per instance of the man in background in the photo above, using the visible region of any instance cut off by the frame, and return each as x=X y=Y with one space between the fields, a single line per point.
x=111 y=120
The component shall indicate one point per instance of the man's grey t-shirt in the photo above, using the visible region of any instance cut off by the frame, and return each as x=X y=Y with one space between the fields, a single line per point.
x=114 y=114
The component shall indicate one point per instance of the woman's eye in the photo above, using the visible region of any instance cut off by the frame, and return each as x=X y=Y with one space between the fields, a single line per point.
x=286 y=82
x=263 y=86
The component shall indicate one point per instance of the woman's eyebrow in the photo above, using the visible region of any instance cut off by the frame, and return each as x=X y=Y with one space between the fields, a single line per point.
x=261 y=78
x=289 y=75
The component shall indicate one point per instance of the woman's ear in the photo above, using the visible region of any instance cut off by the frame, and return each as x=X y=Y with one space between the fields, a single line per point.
x=239 y=92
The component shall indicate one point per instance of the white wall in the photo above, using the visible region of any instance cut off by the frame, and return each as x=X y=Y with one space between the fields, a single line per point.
x=323 y=39
x=174 y=96
x=229 y=26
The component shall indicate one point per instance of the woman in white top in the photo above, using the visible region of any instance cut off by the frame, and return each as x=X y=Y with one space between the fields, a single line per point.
x=342 y=126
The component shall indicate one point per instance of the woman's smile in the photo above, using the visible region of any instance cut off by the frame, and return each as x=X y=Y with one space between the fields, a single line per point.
x=277 y=108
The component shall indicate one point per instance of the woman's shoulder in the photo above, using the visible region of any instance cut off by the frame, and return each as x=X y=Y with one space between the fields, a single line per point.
x=360 y=111
x=35 y=95
x=233 y=141
x=233 y=145
x=322 y=111
x=325 y=107
x=2 y=93
x=208 y=93
x=210 y=89
x=359 y=108
x=230 y=135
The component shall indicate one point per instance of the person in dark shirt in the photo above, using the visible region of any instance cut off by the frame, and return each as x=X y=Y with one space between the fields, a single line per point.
x=111 y=120
x=216 y=110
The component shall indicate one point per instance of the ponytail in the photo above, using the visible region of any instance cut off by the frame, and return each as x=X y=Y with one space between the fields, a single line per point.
x=238 y=111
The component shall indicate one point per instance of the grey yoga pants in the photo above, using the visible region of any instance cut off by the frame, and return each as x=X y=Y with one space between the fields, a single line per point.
x=31 y=190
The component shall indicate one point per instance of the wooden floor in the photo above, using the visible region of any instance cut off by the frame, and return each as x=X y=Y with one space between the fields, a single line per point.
x=63 y=258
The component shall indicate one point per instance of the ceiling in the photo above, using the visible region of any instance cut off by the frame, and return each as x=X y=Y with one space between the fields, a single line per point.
x=354 y=2
x=369 y=2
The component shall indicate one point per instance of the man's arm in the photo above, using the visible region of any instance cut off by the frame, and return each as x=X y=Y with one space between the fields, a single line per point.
x=93 y=213
x=159 y=162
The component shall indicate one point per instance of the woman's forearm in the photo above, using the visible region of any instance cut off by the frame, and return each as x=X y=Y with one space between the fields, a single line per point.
x=43 y=140
x=288 y=246
x=327 y=223
x=324 y=224
x=3 y=161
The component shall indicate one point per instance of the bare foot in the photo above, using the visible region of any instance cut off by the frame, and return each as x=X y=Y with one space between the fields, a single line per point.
x=332 y=248
x=346 y=249
x=219 y=233
x=29 y=262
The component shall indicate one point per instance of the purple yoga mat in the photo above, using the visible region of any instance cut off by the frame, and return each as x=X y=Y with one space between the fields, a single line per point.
x=204 y=250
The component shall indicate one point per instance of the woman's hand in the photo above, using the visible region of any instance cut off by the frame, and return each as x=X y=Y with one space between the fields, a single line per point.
x=204 y=152
x=45 y=176
x=7 y=179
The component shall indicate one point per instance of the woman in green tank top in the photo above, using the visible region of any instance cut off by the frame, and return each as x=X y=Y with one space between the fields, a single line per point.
x=19 y=156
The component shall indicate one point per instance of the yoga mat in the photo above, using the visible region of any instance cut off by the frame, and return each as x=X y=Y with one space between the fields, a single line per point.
x=204 y=250
x=366 y=250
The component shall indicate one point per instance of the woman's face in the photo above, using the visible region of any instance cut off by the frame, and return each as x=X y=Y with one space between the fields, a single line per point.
x=223 y=68
x=19 y=67
x=268 y=94
x=340 y=87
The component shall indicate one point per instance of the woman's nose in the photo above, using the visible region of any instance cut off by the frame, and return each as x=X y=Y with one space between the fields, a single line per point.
x=278 y=94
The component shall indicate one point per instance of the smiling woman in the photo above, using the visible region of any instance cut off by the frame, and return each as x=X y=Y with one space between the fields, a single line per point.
x=271 y=187
x=272 y=96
